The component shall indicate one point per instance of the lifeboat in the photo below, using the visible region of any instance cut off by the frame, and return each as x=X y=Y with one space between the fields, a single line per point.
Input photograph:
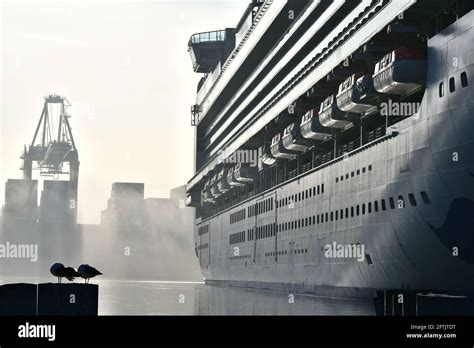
x=206 y=195
x=357 y=95
x=267 y=157
x=401 y=72
x=222 y=183
x=293 y=140
x=216 y=193
x=244 y=173
x=331 y=116
x=231 y=180
x=311 y=127
x=278 y=150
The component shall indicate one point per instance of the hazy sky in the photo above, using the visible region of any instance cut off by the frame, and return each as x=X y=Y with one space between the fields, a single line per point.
x=125 y=68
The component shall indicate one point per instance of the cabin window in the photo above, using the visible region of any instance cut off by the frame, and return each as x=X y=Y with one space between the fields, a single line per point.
x=392 y=203
x=337 y=180
x=363 y=209
x=352 y=211
x=376 y=206
x=347 y=213
x=412 y=199
x=384 y=207
x=327 y=217
x=332 y=216
x=358 y=171
x=425 y=198
x=322 y=188
x=363 y=170
x=452 y=85
x=464 y=80
x=401 y=202
x=357 y=210
x=369 y=207
x=352 y=174
x=441 y=89
x=369 y=259
x=370 y=168
x=337 y=215
x=317 y=219
x=342 y=178
x=342 y=214
x=314 y=219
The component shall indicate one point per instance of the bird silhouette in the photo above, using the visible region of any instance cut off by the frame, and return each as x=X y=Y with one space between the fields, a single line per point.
x=58 y=270
x=88 y=272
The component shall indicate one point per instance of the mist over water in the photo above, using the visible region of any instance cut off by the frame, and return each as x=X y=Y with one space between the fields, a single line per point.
x=144 y=239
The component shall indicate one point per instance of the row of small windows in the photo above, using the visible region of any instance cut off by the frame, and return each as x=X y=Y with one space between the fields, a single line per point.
x=353 y=211
x=240 y=257
x=236 y=238
x=203 y=246
x=265 y=231
x=203 y=230
x=316 y=190
x=354 y=173
x=452 y=84
x=270 y=230
x=237 y=216
x=260 y=207
x=285 y=252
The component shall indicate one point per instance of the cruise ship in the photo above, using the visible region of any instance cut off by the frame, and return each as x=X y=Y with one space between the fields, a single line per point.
x=334 y=148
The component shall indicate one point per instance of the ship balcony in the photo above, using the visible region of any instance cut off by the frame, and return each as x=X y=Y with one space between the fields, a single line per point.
x=357 y=95
x=331 y=116
x=209 y=48
x=311 y=127
x=293 y=140
x=401 y=72
x=279 y=151
x=244 y=173
x=232 y=181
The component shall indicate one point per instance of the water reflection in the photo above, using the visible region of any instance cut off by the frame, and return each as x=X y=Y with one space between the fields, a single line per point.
x=172 y=298
x=193 y=298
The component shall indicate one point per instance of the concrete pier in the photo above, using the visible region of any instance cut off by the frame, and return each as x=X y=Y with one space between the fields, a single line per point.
x=49 y=299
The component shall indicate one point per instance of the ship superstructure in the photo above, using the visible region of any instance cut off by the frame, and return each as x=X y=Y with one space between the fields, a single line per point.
x=334 y=147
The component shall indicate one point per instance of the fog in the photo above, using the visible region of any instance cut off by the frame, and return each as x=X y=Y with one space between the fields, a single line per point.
x=125 y=68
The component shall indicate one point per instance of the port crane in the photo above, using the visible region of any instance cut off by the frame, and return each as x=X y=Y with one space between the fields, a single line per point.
x=52 y=146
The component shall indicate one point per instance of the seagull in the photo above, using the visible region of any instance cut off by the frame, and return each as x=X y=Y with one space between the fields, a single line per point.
x=58 y=270
x=87 y=272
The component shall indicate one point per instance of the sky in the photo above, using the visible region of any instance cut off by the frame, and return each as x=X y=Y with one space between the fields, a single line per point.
x=124 y=67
